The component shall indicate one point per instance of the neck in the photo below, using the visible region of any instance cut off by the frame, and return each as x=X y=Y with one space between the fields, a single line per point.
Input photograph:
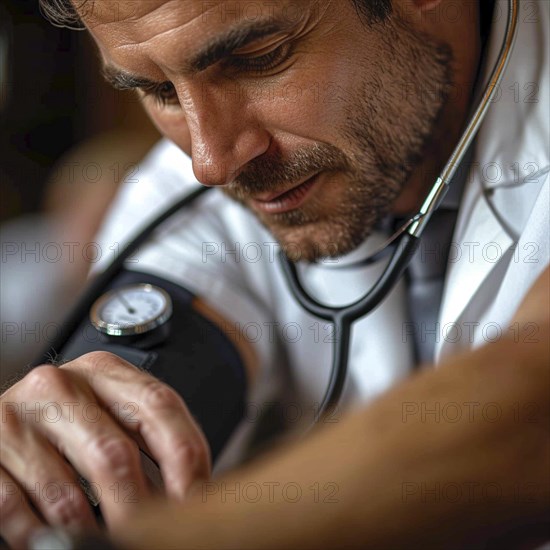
x=466 y=42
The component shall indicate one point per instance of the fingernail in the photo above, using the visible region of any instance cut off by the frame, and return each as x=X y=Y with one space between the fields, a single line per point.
x=50 y=539
x=55 y=539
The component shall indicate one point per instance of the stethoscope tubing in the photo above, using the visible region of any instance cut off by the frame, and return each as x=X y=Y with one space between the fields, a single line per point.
x=98 y=284
x=342 y=318
x=406 y=240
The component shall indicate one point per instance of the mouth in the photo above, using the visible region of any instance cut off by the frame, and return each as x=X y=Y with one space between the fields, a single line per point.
x=276 y=203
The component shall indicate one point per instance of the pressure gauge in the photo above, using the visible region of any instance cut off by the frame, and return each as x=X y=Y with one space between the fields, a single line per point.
x=131 y=310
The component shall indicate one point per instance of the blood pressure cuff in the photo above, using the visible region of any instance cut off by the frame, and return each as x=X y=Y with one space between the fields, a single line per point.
x=193 y=356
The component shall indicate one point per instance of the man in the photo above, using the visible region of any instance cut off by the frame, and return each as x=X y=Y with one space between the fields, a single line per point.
x=320 y=121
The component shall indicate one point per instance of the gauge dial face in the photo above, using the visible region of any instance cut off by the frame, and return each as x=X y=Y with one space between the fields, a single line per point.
x=131 y=309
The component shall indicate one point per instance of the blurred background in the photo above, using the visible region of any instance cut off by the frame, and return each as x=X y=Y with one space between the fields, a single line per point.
x=66 y=141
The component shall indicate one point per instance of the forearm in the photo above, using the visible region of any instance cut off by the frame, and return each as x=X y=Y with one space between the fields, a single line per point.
x=383 y=462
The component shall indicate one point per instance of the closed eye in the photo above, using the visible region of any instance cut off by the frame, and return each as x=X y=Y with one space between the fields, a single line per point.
x=165 y=94
x=260 y=64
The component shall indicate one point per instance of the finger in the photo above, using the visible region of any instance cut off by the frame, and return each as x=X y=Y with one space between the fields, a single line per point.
x=97 y=447
x=18 y=520
x=175 y=440
x=159 y=416
x=46 y=479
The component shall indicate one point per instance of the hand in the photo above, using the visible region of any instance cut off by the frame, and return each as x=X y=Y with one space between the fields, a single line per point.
x=90 y=417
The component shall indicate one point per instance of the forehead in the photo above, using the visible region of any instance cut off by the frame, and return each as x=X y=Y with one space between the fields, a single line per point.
x=142 y=20
x=160 y=36
x=117 y=24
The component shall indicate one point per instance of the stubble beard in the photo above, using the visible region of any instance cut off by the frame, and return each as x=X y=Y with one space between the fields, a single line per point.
x=389 y=125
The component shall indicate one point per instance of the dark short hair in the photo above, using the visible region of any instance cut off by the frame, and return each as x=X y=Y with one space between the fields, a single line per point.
x=63 y=13
x=373 y=10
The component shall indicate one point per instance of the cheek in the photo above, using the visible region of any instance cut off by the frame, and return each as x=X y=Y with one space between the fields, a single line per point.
x=307 y=104
x=171 y=124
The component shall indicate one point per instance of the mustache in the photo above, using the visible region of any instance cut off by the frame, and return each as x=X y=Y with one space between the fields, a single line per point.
x=274 y=172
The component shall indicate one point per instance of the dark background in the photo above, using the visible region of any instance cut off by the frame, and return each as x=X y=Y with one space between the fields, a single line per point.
x=57 y=117
x=51 y=99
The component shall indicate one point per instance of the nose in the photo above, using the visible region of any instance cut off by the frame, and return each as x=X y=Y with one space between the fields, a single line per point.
x=225 y=136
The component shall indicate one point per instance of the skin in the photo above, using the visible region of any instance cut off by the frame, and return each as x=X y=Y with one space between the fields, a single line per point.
x=246 y=134
x=408 y=481
x=233 y=138
x=102 y=447
x=106 y=411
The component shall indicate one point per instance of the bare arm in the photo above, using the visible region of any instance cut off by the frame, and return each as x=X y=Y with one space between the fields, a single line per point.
x=390 y=476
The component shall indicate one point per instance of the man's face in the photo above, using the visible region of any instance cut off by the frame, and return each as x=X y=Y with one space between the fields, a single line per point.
x=306 y=115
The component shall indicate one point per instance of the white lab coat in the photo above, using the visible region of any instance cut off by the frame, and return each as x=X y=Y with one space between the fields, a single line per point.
x=220 y=251
x=484 y=283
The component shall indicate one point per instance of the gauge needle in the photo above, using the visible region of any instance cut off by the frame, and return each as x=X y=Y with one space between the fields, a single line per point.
x=125 y=303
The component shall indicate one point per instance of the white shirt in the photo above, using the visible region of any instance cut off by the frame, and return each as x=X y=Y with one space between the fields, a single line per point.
x=219 y=251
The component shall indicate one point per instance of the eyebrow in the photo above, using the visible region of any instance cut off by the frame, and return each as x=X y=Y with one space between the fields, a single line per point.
x=122 y=80
x=214 y=51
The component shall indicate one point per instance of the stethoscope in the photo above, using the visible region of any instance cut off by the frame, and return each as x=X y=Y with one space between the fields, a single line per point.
x=404 y=241
x=401 y=245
